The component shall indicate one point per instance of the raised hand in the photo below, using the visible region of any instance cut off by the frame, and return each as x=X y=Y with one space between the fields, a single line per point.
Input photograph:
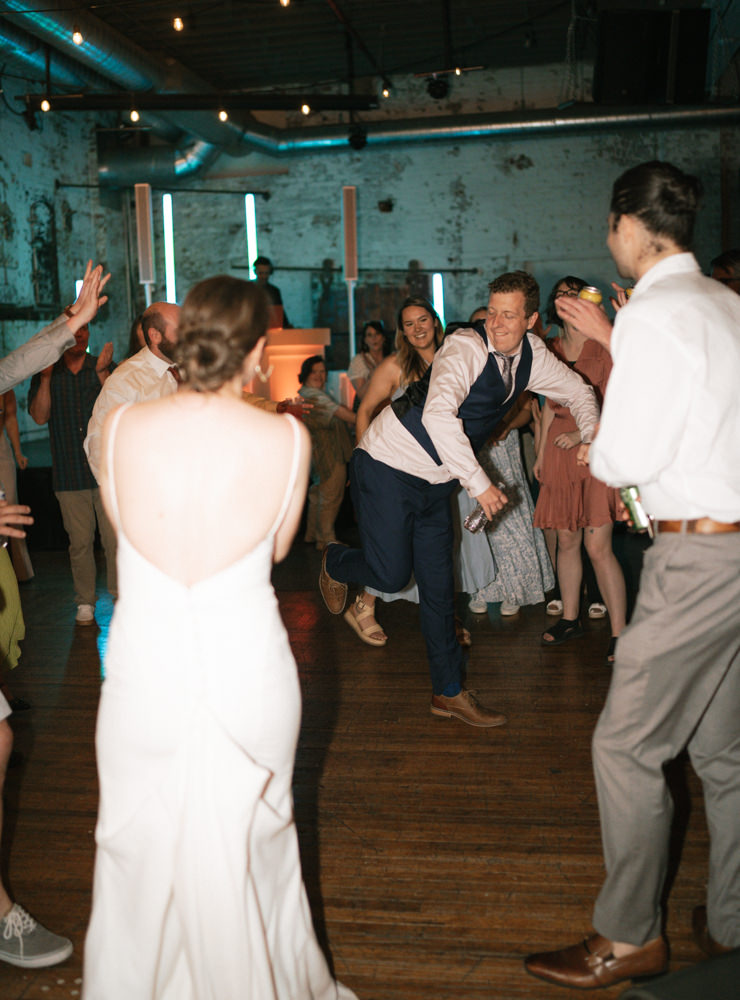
x=86 y=306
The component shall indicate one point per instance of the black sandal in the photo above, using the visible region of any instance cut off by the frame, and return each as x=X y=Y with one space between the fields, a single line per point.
x=566 y=628
x=610 y=651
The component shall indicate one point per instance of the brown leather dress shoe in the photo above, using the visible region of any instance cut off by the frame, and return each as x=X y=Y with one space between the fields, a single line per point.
x=465 y=706
x=702 y=936
x=333 y=592
x=591 y=965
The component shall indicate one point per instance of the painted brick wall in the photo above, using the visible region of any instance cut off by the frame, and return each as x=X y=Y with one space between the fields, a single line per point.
x=486 y=204
x=31 y=165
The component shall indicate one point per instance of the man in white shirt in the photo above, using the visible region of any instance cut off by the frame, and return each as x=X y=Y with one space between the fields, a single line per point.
x=671 y=426
x=411 y=457
x=149 y=374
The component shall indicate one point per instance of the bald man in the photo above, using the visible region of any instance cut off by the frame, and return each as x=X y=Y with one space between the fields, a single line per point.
x=149 y=374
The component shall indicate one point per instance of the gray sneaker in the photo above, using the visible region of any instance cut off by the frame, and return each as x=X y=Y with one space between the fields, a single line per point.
x=26 y=943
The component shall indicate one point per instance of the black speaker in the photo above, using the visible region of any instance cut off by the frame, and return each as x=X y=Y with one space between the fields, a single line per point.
x=651 y=57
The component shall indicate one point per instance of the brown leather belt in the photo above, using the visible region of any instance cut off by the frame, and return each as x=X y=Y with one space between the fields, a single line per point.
x=699 y=526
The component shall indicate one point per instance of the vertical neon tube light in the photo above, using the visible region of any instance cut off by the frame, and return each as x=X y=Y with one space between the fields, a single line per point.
x=78 y=286
x=438 y=297
x=251 y=220
x=169 y=249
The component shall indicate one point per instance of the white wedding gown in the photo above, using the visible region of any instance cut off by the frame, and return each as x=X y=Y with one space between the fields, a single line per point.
x=198 y=892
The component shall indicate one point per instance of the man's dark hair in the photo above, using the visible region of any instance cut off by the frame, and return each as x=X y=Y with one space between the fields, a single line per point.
x=662 y=197
x=260 y=261
x=519 y=281
x=728 y=261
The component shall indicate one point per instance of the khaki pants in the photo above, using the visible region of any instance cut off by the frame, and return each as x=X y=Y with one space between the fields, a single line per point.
x=80 y=509
x=676 y=684
x=324 y=500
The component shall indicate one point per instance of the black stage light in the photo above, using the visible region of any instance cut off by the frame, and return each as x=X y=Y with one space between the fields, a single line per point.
x=357 y=137
x=438 y=87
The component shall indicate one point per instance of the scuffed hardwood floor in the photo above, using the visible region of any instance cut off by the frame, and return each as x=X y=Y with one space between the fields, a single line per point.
x=435 y=855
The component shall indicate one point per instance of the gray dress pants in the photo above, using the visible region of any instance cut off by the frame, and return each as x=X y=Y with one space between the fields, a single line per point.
x=676 y=684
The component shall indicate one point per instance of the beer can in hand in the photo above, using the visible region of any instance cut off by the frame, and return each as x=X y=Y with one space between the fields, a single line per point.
x=476 y=520
x=591 y=294
x=639 y=517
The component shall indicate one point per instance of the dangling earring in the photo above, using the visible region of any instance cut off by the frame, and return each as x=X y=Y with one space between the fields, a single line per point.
x=263 y=376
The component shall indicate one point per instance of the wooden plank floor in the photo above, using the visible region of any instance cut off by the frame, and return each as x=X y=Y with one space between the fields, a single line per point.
x=435 y=855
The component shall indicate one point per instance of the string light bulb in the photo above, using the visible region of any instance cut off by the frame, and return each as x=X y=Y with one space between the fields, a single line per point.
x=284 y=3
x=305 y=108
x=386 y=92
x=45 y=106
x=458 y=71
x=178 y=24
x=134 y=115
x=223 y=116
x=77 y=36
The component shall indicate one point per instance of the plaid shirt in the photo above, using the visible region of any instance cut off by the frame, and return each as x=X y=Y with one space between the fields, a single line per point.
x=72 y=400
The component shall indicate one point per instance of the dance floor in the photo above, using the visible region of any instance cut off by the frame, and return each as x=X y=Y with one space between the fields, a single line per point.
x=435 y=855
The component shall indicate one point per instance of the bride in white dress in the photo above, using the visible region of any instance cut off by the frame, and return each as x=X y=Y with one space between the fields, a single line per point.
x=198 y=892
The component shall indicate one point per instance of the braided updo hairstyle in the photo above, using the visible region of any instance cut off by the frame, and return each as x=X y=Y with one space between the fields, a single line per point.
x=221 y=320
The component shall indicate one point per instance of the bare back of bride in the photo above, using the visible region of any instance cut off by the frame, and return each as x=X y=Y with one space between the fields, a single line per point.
x=198 y=892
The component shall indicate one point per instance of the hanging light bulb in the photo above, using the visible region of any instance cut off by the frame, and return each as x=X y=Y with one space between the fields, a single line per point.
x=223 y=116
x=77 y=36
x=177 y=24
x=386 y=92
x=284 y=3
x=458 y=71
x=306 y=109
x=45 y=106
x=134 y=115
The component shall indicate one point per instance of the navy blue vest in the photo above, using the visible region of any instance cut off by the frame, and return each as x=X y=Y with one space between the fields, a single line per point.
x=482 y=408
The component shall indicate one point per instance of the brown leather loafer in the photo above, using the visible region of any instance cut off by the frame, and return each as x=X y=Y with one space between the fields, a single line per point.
x=333 y=592
x=702 y=936
x=465 y=706
x=591 y=965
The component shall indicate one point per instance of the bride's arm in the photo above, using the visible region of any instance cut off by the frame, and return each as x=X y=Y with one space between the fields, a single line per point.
x=286 y=532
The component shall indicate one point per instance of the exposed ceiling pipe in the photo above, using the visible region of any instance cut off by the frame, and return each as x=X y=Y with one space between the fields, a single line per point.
x=158 y=165
x=121 y=61
x=29 y=52
x=477 y=126
x=127 y=65
x=182 y=158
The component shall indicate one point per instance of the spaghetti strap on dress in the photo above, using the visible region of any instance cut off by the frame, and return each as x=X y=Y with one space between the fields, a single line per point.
x=198 y=892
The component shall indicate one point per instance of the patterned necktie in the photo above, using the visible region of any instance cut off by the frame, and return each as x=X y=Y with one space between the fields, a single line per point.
x=175 y=373
x=507 y=361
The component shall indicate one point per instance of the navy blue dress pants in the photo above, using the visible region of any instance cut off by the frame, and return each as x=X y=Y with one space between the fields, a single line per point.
x=406 y=527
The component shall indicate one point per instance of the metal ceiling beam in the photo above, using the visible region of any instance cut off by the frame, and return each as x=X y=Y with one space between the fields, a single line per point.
x=151 y=101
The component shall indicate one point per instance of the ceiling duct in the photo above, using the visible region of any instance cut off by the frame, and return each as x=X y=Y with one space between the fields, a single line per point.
x=121 y=61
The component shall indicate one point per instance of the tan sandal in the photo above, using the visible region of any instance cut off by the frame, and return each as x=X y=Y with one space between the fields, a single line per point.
x=373 y=635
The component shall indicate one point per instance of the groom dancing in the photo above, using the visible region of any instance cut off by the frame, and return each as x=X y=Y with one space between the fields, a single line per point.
x=414 y=453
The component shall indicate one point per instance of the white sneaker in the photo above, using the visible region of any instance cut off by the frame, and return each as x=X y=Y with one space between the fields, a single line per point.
x=25 y=943
x=554 y=607
x=508 y=609
x=477 y=604
x=597 y=610
x=85 y=614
